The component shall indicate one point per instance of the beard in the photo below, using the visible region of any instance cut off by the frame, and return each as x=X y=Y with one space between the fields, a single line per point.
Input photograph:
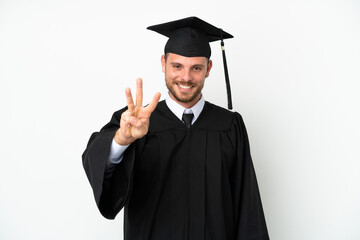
x=184 y=97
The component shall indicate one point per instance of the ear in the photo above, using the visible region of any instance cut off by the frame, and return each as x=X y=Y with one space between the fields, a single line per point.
x=209 y=66
x=163 y=62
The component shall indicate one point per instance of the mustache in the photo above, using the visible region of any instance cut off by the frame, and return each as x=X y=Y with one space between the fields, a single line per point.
x=188 y=83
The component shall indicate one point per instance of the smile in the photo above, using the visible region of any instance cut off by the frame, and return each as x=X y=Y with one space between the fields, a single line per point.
x=183 y=86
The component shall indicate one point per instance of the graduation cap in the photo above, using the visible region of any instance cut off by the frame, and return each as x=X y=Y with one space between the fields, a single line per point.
x=190 y=37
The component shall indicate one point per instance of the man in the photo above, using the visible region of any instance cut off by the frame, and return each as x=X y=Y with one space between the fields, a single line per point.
x=181 y=168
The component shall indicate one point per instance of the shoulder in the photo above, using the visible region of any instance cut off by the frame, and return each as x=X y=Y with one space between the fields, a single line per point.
x=218 y=118
x=217 y=110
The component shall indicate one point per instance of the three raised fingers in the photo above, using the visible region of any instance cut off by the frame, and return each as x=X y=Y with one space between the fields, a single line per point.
x=139 y=98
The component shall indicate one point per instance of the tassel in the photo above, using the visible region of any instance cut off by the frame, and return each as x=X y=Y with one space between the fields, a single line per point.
x=228 y=89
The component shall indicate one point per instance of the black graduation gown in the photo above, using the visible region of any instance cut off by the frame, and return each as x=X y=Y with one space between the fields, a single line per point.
x=177 y=183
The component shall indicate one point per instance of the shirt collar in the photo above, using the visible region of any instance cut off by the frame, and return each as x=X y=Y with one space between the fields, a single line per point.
x=178 y=110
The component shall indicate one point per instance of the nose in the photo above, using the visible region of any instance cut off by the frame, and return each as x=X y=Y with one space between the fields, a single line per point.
x=186 y=75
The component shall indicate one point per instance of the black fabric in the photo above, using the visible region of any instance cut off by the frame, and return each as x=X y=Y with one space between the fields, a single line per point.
x=180 y=183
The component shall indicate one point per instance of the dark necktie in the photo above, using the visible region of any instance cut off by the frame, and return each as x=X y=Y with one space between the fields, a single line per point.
x=187 y=118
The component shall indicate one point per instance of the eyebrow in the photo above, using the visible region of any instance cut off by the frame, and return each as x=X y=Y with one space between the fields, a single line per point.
x=175 y=63
x=198 y=65
x=195 y=65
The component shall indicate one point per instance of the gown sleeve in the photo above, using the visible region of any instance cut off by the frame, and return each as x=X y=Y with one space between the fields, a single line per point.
x=250 y=216
x=110 y=194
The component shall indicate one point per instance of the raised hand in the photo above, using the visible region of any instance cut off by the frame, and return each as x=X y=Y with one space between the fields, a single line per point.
x=134 y=122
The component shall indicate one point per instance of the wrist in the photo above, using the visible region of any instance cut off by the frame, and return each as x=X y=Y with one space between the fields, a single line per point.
x=122 y=140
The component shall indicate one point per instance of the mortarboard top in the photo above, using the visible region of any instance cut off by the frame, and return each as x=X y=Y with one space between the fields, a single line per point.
x=190 y=37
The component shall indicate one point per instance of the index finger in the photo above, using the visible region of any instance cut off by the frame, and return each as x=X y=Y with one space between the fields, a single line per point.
x=139 y=92
x=129 y=99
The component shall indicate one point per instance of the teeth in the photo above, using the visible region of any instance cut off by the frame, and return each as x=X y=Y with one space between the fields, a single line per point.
x=183 y=86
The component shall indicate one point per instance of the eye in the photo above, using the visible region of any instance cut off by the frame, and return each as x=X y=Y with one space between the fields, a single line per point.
x=197 y=68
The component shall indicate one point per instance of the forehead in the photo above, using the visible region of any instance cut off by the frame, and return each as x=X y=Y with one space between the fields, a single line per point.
x=175 y=58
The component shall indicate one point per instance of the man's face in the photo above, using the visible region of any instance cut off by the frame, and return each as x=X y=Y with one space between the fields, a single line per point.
x=185 y=77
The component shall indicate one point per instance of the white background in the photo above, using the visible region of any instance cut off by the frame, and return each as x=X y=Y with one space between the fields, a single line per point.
x=294 y=70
